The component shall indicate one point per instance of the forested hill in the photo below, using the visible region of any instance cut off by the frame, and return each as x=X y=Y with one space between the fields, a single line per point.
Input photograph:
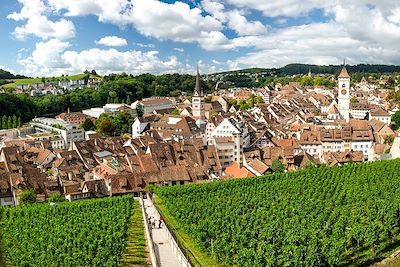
x=8 y=75
x=292 y=69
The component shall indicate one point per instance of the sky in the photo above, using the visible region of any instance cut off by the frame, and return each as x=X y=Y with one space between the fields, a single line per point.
x=55 y=37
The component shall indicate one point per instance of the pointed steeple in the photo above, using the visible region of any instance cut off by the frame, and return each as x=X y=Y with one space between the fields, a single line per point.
x=343 y=73
x=197 y=88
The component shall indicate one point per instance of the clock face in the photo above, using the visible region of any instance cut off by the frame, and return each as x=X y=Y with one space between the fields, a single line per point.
x=344 y=91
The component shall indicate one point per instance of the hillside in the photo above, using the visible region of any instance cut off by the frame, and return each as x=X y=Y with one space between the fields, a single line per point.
x=316 y=217
x=293 y=69
x=96 y=232
x=14 y=82
x=6 y=75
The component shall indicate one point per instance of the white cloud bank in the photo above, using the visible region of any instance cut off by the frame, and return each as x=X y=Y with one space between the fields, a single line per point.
x=361 y=31
x=54 y=58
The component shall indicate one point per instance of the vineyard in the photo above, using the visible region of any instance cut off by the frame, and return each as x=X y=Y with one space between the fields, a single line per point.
x=94 y=232
x=317 y=217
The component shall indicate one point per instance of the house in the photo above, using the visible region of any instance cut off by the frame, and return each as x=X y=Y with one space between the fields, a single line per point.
x=359 y=110
x=381 y=131
x=229 y=139
x=154 y=104
x=310 y=142
x=361 y=137
x=142 y=124
x=175 y=127
x=111 y=109
x=380 y=114
x=6 y=196
x=74 y=117
x=68 y=131
x=235 y=171
x=341 y=158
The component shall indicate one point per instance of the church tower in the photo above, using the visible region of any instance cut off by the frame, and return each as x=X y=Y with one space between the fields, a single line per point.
x=198 y=98
x=344 y=94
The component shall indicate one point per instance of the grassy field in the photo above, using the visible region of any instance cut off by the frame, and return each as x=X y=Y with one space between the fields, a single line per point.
x=39 y=80
x=136 y=253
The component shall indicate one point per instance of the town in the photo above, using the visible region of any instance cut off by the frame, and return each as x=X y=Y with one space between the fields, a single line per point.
x=231 y=133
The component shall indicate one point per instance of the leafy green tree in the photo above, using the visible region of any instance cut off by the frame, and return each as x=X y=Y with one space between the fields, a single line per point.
x=277 y=165
x=9 y=122
x=396 y=120
x=14 y=121
x=105 y=125
x=19 y=122
x=389 y=140
x=175 y=112
x=88 y=125
x=123 y=122
x=128 y=100
x=260 y=100
x=4 y=122
x=27 y=196
x=307 y=81
x=56 y=197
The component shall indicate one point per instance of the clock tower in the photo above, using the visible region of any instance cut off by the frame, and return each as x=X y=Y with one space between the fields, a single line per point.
x=344 y=94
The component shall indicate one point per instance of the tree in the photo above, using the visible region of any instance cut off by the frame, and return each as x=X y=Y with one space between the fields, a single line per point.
x=104 y=125
x=389 y=140
x=353 y=100
x=123 y=122
x=93 y=72
x=27 y=196
x=88 y=125
x=9 y=123
x=396 y=120
x=175 y=112
x=128 y=100
x=277 y=165
x=260 y=99
x=19 y=122
x=4 y=122
x=56 y=197
x=14 y=121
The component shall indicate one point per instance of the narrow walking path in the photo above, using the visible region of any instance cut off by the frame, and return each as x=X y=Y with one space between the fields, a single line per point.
x=165 y=253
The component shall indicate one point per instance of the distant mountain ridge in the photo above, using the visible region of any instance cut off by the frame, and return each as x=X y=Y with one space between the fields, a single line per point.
x=296 y=68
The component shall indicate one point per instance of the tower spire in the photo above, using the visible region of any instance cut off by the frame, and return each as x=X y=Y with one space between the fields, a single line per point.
x=197 y=89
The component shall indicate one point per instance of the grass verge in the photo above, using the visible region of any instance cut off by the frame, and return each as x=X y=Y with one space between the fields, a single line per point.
x=193 y=252
x=135 y=253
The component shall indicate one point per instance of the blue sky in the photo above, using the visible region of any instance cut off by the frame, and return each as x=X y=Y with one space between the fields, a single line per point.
x=54 y=37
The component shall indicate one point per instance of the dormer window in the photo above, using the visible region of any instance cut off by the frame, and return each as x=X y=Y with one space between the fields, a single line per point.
x=343 y=85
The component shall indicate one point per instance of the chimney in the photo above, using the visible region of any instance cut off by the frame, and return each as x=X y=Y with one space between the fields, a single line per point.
x=68 y=110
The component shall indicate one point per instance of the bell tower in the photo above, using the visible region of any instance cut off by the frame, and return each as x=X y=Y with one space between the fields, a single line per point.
x=344 y=94
x=198 y=98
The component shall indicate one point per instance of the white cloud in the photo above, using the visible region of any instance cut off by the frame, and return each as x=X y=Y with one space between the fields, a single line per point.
x=178 y=49
x=233 y=18
x=29 y=9
x=45 y=29
x=112 y=41
x=45 y=59
x=145 y=45
x=38 y=24
x=53 y=58
x=177 y=22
